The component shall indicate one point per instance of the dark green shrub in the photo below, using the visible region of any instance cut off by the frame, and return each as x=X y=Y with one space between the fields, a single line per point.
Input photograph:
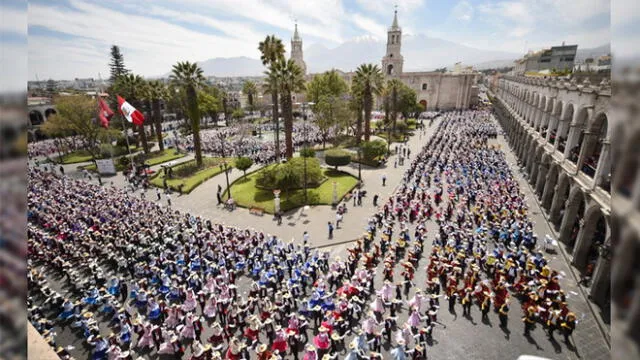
x=337 y=157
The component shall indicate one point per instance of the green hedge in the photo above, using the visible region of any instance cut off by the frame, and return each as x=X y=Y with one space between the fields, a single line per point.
x=337 y=157
x=186 y=176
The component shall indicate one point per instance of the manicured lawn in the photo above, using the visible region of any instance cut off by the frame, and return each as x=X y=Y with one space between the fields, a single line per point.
x=191 y=178
x=159 y=157
x=395 y=137
x=79 y=156
x=74 y=157
x=246 y=194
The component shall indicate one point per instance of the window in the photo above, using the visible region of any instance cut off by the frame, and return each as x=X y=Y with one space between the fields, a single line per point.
x=424 y=86
x=390 y=55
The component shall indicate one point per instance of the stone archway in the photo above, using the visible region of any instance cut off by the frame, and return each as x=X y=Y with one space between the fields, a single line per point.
x=549 y=186
x=576 y=135
x=626 y=173
x=555 y=122
x=535 y=166
x=572 y=218
x=542 y=174
x=626 y=253
x=560 y=195
x=594 y=146
x=49 y=112
x=564 y=125
x=35 y=117
x=592 y=235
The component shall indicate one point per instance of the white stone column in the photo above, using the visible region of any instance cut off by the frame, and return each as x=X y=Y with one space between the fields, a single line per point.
x=572 y=138
x=586 y=147
x=601 y=280
x=604 y=164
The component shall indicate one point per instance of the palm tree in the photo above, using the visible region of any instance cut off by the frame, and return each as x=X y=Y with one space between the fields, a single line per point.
x=370 y=79
x=157 y=92
x=356 y=106
x=189 y=76
x=249 y=88
x=132 y=88
x=272 y=51
x=291 y=80
x=393 y=87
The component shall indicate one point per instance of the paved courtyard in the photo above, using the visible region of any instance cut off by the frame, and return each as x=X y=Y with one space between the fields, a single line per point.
x=459 y=337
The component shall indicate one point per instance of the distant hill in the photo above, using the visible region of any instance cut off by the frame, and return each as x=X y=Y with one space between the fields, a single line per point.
x=593 y=52
x=420 y=52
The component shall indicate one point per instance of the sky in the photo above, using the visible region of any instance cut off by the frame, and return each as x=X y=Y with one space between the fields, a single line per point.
x=71 y=38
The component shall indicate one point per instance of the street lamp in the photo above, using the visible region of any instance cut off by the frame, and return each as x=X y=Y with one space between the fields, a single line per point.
x=359 y=165
x=306 y=150
x=224 y=162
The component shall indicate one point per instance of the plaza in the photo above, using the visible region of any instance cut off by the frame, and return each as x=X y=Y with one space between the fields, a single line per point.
x=480 y=228
x=494 y=342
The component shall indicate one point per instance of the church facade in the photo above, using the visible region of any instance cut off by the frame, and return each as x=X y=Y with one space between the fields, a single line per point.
x=434 y=90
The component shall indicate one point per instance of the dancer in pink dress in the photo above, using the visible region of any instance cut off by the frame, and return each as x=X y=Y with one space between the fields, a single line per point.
x=190 y=302
x=146 y=340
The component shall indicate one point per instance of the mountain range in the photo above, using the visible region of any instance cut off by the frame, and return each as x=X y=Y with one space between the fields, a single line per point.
x=420 y=52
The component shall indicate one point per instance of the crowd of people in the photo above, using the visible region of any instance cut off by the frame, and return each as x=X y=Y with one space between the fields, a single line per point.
x=51 y=147
x=131 y=277
x=238 y=140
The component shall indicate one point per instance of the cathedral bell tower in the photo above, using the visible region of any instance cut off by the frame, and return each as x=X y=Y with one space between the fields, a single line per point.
x=392 y=61
x=296 y=51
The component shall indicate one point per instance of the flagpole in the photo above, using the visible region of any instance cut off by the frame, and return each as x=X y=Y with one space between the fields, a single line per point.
x=126 y=136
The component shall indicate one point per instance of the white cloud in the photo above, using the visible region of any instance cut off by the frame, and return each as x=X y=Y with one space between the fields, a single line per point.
x=624 y=12
x=385 y=7
x=519 y=31
x=13 y=20
x=462 y=11
x=150 y=46
x=369 y=25
x=315 y=17
x=234 y=29
x=13 y=68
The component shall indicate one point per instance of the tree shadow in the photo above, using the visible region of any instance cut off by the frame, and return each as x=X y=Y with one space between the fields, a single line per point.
x=242 y=180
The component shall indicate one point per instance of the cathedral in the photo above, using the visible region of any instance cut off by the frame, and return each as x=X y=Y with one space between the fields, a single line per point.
x=435 y=90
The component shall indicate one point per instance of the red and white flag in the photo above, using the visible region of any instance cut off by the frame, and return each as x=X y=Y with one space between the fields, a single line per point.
x=104 y=113
x=130 y=113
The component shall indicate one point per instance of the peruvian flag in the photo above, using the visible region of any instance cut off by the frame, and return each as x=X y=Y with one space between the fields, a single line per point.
x=129 y=112
x=104 y=113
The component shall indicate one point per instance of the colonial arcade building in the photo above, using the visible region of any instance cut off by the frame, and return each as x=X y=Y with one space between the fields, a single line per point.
x=561 y=131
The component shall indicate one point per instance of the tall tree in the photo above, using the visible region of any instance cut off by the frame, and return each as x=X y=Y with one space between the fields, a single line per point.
x=394 y=87
x=371 y=80
x=189 y=76
x=74 y=115
x=209 y=104
x=331 y=112
x=132 y=88
x=250 y=89
x=157 y=92
x=329 y=83
x=116 y=65
x=356 y=107
x=272 y=51
x=291 y=80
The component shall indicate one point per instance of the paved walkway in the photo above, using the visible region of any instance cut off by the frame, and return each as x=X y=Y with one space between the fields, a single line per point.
x=202 y=200
x=590 y=344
